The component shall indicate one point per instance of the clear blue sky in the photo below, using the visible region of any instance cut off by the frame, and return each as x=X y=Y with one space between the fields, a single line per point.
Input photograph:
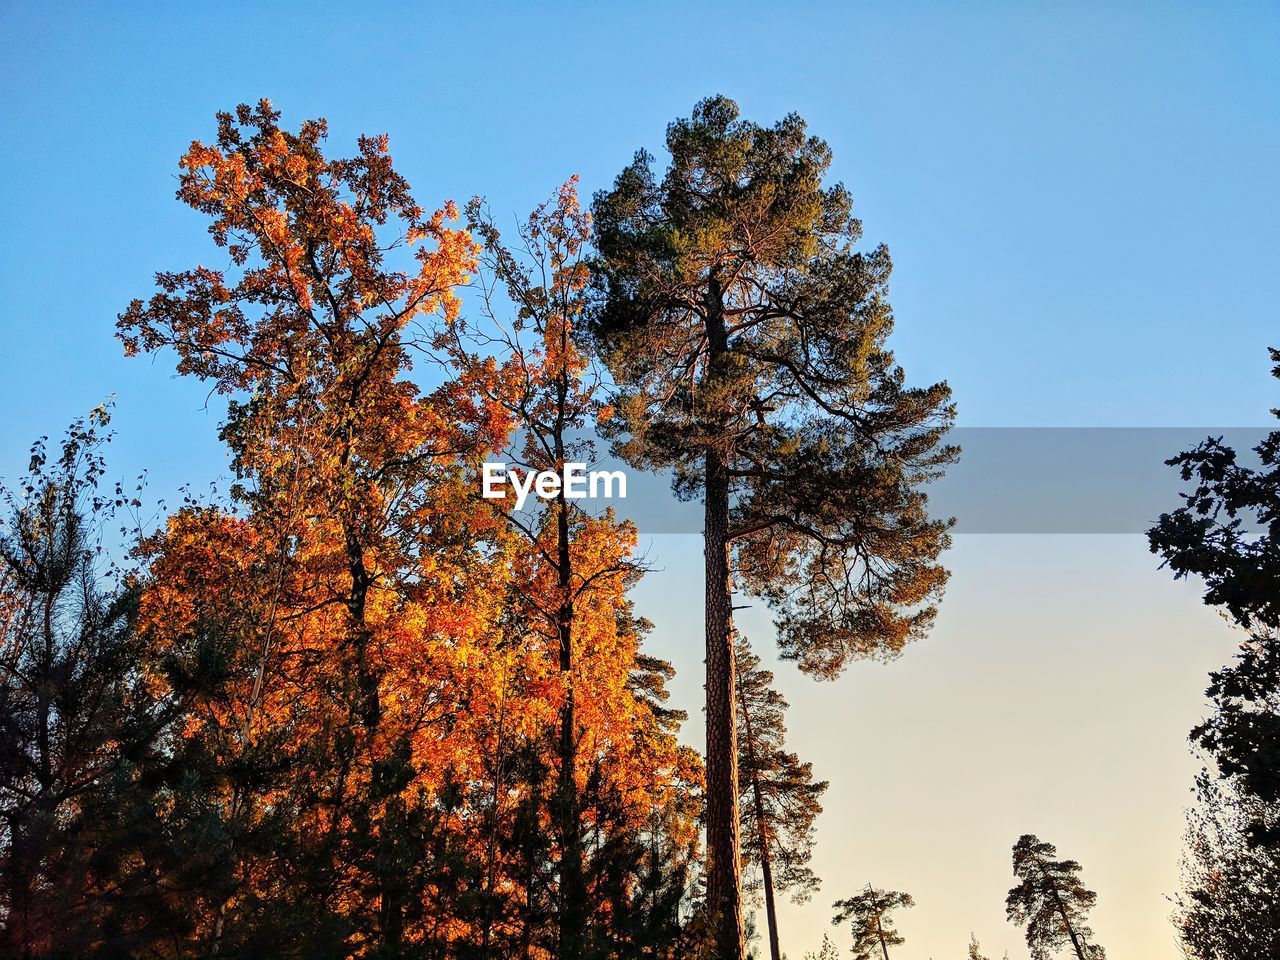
x=1082 y=206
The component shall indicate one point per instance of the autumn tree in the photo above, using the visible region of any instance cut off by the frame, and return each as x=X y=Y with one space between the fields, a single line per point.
x=542 y=381
x=614 y=754
x=869 y=915
x=335 y=276
x=748 y=337
x=975 y=948
x=369 y=655
x=780 y=800
x=1050 y=901
x=218 y=618
x=1224 y=534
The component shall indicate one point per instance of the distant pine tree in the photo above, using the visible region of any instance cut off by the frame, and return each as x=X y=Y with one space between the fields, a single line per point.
x=1050 y=901
x=869 y=915
x=779 y=800
x=828 y=951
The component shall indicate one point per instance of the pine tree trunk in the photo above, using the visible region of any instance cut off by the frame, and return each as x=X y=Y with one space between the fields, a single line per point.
x=1076 y=943
x=724 y=870
x=884 y=948
x=1062 y=912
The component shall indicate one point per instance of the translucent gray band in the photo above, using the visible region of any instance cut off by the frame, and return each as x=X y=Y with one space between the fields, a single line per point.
x=1008 y=480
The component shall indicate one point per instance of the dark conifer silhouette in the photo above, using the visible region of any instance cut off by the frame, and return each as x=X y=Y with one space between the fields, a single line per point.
x=84 y=863
x=1050 y=901
x=869 y=915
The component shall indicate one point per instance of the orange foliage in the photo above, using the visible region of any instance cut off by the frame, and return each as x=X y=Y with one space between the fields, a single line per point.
x=372 y=614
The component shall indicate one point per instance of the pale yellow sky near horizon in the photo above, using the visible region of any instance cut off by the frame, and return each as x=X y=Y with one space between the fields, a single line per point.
x=1053 y=697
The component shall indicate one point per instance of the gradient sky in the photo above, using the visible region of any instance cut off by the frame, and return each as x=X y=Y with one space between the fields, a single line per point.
x=1082 y=207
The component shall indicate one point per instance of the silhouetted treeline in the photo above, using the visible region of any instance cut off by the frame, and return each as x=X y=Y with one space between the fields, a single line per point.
x=1227 y=533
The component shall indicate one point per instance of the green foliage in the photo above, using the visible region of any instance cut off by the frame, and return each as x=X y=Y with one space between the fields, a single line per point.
x=1229 y=908
x=1225 y=530
x=748 y=339
x=738 y=316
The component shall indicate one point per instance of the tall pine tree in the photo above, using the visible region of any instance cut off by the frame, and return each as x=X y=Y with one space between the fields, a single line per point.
x=748 y=336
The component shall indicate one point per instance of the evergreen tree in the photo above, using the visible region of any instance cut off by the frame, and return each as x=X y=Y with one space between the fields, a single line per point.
x=749 y=340
x=645 y=915
x=86 y=867
x=975 y=948
x=827 y=951
x=1050 y=901
x=780 y=800
x=869 y=916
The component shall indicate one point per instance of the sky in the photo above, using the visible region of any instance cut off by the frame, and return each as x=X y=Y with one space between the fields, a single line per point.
x=1081 y=203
